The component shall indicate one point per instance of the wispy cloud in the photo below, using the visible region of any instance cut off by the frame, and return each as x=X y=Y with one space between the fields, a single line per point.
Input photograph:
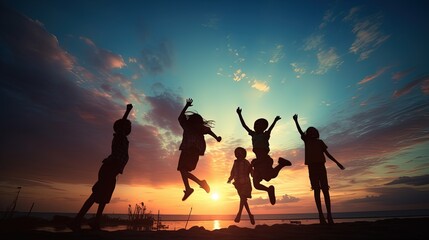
x=414 y=181
x=260 y=86
x=278 y=54
x=373 y=76
x=399 y=75
x=424 y=81
x=327 y=60
x=368 y=37
x=298 y=69
x=157 y=59
x=103 y=58
x=238 y=75
x=328 y=17
x=313 y=42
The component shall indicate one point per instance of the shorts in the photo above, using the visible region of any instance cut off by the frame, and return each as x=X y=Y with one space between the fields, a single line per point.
x=105 y=185
x=188 y=160
x=318 y=176
x=244 y=190
x=263 y=169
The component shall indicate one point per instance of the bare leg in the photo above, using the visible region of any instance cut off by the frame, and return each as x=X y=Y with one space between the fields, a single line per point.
x=75 y=225
x=319 y=205
x=328 y=205
x=240 y=209
x=246 y=205
x=257 y=184
x=185 y=179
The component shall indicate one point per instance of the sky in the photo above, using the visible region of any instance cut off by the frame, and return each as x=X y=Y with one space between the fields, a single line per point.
x=355 y=70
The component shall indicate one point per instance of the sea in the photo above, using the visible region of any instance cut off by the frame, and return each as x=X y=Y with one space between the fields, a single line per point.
x=171 y=222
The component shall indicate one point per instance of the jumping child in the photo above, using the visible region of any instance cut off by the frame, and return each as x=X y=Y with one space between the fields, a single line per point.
x=240 y=174
x=315 y=151
x=263 y=164
x=193 y=145
x=112 y=166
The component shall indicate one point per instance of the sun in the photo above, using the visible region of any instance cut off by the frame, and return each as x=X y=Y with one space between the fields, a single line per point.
x=215 y=196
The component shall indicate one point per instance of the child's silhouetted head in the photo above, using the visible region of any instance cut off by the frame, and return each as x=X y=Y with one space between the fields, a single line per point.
x=197 y=120
x=122 y=126
x=240 y=153
x=312 y=132
x=260 y=125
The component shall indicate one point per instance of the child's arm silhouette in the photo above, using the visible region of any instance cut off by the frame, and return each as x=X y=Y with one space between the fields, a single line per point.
x=242 y=120
x=218 y=138
x=182 y=116
x=334 y=160
x=273 y=124
x=295 y=118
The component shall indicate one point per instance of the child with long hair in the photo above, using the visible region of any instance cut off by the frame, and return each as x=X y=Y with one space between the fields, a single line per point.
x=192 y=147
x=315 y=151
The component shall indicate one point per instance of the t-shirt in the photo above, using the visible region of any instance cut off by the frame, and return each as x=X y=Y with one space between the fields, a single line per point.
x=193 y=138
x=119 y=154
x=314 y=150
x=240 y=171
x=260 y=140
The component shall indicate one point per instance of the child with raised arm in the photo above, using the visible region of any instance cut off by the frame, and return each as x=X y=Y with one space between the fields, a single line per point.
x=112 y=166
x=263 y=164
x=193 y=146
x=315 y=151
x=240 y=174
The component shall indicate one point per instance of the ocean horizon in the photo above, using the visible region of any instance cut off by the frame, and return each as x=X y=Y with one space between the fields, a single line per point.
x=214 y=222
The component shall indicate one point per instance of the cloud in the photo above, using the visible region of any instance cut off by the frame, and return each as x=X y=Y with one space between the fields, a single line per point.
x=327 y=60
x=165 y=109
x=373 y=76
x=413 y=181
x=260 y=86
x=239 y=75
x=399 y=75
x=287 y=199
x=327 y=18
x=313 y=42
x=278 y=54
x=157 y=59
x=391 y=199
x=424 y=81
x=212 y=23
x=101 y=58
x=368 y=37
x=299 y=70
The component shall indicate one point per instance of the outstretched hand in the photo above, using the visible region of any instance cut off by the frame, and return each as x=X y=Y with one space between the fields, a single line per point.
x=239 y=110
x=277 y=118
x=189 y=102
x=341 y=166
x=219 y=138
x=295 y=117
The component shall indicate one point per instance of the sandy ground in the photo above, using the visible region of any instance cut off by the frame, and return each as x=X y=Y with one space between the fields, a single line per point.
x=404 y=229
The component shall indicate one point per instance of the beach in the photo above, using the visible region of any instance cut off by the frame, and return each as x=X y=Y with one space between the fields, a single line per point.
x=395 y=228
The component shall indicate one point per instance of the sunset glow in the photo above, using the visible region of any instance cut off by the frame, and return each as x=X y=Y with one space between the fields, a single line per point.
x=355 y=70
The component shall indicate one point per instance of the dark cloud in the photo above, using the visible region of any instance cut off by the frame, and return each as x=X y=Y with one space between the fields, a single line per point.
x=101 y=58
x=391 y=199
x=264 y=201
x=423 y=81
x=157 y=59
x=166 y=106
x=414 y=181
x=53 y=130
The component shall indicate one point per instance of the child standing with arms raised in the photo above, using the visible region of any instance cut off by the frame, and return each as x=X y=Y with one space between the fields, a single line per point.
x=193 y=146
x=315 y=151
x=240 y=173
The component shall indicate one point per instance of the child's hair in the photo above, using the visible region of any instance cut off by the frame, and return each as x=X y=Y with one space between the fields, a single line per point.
x=122 y=126
x=196 y=119
x=260 y=125
x=240 y=153
x=312 y=132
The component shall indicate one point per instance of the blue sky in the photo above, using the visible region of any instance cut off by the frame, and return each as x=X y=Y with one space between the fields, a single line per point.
x=356 y=70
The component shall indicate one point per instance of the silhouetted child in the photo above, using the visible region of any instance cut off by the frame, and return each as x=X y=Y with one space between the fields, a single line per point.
x=193 y=146
x=315 y=151
x=240 y=173
x=263 y=164
x=113 y=165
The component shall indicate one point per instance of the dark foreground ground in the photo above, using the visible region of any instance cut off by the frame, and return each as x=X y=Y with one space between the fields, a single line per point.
x=404 y=229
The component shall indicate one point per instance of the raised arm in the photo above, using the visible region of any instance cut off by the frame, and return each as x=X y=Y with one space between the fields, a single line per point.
x=334 y=160
x=295 y=118
x=242 y=120
x=273 y=124
x=129 y=107
x=182 y=115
